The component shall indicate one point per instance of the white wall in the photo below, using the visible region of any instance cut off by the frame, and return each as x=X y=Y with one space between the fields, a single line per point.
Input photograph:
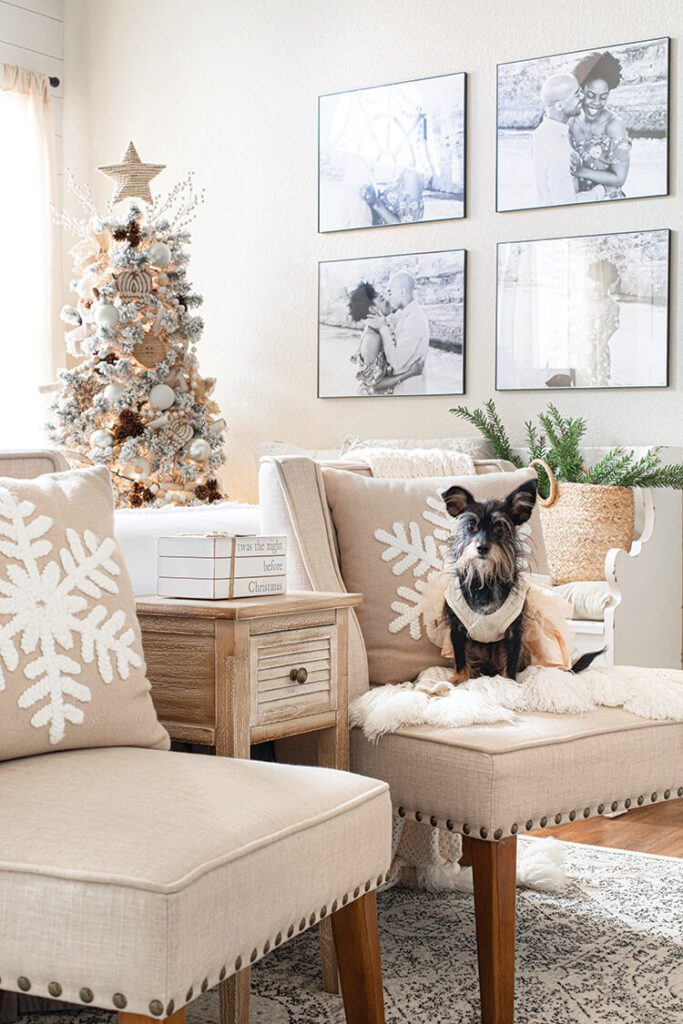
x=230 y=89
x=31 y=36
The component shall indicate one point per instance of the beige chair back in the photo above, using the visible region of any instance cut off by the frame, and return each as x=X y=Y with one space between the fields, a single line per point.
x=293 y=503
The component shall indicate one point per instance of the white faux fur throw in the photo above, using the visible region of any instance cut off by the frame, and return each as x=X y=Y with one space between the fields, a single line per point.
x=654 y=693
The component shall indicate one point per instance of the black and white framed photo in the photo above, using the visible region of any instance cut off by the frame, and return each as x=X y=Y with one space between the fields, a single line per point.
x=392 y=325
x=585 y=312
x=583 y=127
x=392 y=154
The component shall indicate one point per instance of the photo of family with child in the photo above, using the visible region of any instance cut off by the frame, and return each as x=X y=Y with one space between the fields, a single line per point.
x=392 y=325
x=584 y=127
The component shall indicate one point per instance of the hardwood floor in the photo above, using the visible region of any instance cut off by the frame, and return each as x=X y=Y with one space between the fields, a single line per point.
x=654 y=829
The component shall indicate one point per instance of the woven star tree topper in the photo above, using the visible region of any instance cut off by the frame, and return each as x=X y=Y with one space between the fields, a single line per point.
x=136 y=401
x=132 y=177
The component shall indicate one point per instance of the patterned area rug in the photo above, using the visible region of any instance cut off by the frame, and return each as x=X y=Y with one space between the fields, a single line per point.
x=607 y=949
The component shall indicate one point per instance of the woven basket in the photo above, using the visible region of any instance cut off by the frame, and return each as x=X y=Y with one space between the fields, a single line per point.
x=581 y=523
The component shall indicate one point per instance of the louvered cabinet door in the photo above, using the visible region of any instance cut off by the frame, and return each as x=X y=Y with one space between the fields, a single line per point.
x=294 y=674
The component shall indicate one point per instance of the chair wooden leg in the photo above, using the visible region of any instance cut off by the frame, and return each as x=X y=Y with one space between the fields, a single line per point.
x=494 y=874
x=140 y=1018
x=328 y=957
x=233 y=994
x=356 y=937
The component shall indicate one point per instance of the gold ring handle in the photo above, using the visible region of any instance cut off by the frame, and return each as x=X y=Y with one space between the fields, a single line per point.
x=552 y=497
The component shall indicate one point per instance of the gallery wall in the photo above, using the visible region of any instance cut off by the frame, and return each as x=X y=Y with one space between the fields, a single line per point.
x=230 y=90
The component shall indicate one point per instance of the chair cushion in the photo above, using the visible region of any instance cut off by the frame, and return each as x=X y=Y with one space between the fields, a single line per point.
x=392 y=536
x=504 y=777
x=72 y=672
x=146 y=873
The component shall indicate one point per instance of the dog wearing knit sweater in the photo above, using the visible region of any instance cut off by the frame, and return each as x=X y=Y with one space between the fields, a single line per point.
x=487 y=599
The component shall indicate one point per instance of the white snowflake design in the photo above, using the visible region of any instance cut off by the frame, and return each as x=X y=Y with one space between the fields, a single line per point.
x=426 y=555
x=45 y=609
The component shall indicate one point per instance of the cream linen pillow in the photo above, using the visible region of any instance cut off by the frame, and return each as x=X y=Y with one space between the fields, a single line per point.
x=72 y=672
x=392 y=536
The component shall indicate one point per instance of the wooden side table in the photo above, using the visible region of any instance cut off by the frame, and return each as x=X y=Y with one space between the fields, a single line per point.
x=229 y=674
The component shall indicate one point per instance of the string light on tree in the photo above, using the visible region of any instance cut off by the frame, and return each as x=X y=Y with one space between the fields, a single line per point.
x=136 y=401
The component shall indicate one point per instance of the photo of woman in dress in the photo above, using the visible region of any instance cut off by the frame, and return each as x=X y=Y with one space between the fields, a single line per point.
x=595 y=326
x=597 y=135
x=392 y=325
x=584 y=127
x=589 y=311
x=392 y=154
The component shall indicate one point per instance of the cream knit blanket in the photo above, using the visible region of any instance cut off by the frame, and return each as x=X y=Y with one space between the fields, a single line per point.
x=409 y=463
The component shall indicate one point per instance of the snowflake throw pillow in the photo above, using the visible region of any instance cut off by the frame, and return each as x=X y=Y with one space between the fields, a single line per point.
x=72 y=673
x=393 y=538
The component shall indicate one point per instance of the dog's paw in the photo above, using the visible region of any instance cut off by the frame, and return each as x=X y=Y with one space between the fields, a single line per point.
x=460 y=677
x=438 y=689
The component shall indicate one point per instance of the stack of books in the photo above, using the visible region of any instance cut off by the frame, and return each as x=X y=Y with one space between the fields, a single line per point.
x=221 y=565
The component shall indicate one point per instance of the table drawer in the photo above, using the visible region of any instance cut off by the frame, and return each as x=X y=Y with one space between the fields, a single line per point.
x=294 y=674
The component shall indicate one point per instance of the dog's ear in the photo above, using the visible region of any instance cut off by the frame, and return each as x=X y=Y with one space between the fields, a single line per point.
x=457 y=499
x=520 y=504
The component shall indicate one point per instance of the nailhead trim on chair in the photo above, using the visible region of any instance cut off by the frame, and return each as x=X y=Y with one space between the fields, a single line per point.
x=499 y=833
x=156 y=1007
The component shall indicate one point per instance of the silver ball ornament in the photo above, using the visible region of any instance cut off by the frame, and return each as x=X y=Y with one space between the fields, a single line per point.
x=199 y=450
x=161 y=396
x=113 y=392
x=159 y=254
x=106 y=315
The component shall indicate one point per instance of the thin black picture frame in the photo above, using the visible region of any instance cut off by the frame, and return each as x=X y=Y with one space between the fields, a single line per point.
x=398 y=255
x=385 y=85
x=601 y=388
x=570 y=53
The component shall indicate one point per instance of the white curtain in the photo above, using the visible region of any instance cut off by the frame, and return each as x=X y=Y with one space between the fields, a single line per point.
x=28 y=330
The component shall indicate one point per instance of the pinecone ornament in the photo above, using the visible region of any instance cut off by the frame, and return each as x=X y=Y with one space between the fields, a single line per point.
x=129 y=424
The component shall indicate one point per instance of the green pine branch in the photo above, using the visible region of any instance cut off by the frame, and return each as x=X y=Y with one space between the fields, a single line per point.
x=559 y=444
x=489 y=424
x=565 y=436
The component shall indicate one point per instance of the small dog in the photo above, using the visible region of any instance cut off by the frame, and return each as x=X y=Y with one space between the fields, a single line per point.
x=486 y=599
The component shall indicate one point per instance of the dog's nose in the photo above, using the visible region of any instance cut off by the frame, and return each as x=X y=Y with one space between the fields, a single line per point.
x=483 y=549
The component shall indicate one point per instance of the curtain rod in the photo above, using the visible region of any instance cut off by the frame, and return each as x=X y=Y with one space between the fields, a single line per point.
x=54 y=81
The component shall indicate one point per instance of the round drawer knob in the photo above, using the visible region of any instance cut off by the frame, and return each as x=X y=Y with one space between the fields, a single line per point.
x=298 y=675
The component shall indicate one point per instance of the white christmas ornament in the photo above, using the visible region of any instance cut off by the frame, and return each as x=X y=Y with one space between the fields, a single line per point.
x=161 y=396
x=106 y=315
x=199 y=450
x=101 y=439
x=159 y=254
x=113 y=392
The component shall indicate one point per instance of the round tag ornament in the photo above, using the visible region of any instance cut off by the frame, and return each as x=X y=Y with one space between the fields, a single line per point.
x=150 y=352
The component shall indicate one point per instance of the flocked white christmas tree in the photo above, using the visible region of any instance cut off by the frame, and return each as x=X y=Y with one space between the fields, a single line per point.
x=136 y=401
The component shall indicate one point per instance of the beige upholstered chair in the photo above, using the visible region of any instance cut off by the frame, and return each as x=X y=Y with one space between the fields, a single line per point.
x=488 y=783
x=135 y=879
